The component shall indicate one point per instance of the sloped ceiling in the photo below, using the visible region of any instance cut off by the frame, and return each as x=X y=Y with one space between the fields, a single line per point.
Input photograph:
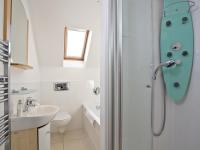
x=48 y=19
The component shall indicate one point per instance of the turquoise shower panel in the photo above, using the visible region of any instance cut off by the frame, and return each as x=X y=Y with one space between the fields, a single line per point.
x=177 y=43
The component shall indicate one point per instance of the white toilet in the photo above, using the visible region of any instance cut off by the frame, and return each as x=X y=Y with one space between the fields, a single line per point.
x=61 y=121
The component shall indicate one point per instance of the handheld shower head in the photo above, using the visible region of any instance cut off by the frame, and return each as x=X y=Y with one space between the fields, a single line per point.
x=167 y=64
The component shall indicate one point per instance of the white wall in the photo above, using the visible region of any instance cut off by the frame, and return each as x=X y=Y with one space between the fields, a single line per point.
x=182 y=131
x=27 y=78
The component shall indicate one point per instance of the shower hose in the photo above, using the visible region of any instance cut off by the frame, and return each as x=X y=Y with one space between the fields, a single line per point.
x=163 y=120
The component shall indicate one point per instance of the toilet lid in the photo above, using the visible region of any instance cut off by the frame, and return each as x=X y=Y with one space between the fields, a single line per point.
x=62 y=116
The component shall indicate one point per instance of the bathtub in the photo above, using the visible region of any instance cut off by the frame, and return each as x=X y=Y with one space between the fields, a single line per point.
x=91 y=122
x=92 y=112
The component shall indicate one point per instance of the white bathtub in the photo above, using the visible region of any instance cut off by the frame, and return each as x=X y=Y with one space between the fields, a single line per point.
x=91 y=122
x=92 y=111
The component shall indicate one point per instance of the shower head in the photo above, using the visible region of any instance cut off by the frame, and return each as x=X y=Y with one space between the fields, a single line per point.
x=166 y=64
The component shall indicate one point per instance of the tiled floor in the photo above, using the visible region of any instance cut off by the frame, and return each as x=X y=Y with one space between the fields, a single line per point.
x=73 y=140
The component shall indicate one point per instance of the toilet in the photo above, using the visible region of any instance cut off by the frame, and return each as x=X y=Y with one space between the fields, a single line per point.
x=61 y=121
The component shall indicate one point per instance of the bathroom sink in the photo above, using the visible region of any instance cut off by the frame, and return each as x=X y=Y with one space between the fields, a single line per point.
x=34 y=118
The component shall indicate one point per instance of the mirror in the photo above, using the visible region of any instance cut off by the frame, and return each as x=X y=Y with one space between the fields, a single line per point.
x=19 y=38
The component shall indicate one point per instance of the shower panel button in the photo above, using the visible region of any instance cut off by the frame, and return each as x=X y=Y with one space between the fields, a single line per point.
x=168 y=23
x=185 y=53
x=176 y=84
x=169 y=54
x=185 y=20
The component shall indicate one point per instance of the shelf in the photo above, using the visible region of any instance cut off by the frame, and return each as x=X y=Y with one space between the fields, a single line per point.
x=21 y=66
x=23 y=92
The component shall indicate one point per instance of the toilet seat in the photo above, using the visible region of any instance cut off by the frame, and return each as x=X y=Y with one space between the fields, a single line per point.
x=61 y=116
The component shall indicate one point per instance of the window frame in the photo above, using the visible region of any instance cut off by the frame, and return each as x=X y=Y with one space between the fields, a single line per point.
x=82 y=58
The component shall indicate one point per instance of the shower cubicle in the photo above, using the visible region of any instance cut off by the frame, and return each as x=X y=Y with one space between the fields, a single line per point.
x=139 y=112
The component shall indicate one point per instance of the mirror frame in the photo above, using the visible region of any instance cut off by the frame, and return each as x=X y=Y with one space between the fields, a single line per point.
x=7 y=20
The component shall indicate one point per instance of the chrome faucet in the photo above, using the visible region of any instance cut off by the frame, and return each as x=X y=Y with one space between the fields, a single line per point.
x=29 y=103
x=167 y=64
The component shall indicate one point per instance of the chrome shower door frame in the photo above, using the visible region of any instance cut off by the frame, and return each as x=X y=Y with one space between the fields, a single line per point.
x=111 y=75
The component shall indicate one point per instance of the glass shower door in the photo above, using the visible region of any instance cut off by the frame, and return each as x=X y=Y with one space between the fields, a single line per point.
x=126 y=75
x=136 y=74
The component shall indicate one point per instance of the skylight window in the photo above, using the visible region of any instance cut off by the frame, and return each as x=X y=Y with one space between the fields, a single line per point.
x=75 y=45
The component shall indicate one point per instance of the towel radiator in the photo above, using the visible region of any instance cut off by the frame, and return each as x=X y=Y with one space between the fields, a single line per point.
x=4 y=96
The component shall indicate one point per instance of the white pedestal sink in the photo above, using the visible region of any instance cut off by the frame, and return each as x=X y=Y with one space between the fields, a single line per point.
x=36 y=117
